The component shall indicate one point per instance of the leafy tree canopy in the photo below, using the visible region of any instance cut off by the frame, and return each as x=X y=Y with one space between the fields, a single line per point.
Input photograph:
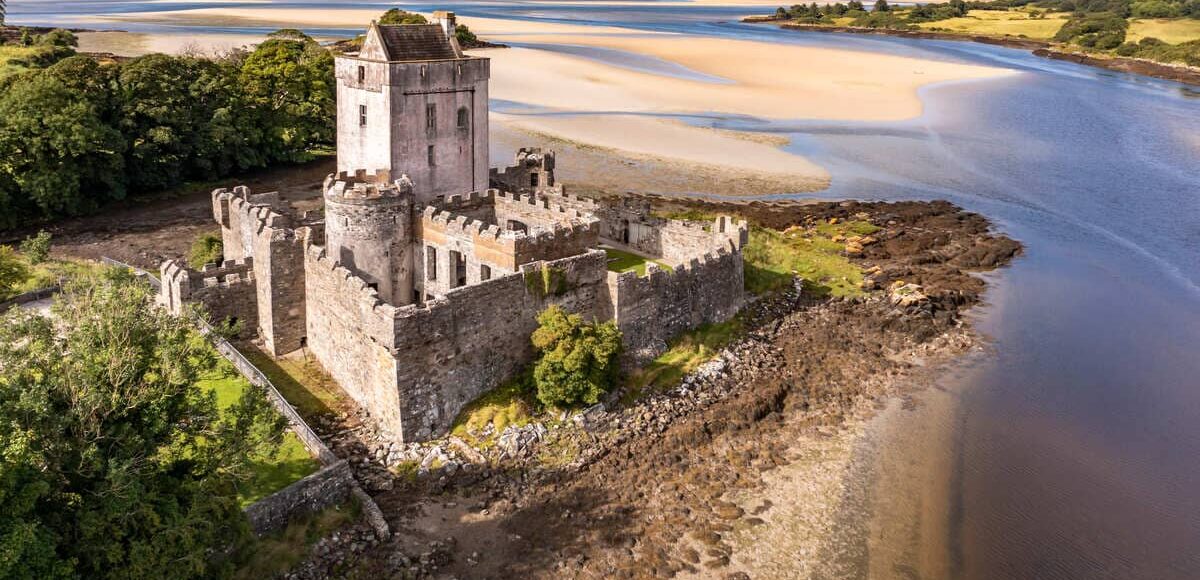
x=113 y=464
x=578 y=360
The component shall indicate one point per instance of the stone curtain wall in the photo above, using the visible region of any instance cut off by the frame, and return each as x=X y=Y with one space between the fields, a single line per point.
x=329 y=486
x=226 y=293
x=457 y=347
x=682 y=241
x=651 y=310
x=352 y=332
x=252 y=226
x=415 y=367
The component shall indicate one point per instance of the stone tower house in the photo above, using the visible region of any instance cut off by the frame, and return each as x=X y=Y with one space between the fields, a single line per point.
x=410 y=103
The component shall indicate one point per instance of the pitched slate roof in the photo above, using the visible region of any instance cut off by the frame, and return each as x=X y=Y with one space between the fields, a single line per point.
x=416 y=42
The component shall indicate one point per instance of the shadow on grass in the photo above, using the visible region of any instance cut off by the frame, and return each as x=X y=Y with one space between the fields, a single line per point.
x=289 y=464
x=310 y=401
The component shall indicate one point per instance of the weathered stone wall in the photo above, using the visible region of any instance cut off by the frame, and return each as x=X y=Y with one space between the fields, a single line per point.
x=454 y=348
x=682 y=241
x=227 y=292
x=352 y=332
x=369 y=231
x=329 y=486
x=397 y=97
x=257 y=226
x=651 y=310
x=533 y=172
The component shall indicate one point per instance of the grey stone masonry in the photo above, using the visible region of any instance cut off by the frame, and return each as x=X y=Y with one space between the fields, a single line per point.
x=418 y=287
x=227 y=292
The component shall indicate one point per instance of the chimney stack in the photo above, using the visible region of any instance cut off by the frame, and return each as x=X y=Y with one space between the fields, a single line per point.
x=447 y=20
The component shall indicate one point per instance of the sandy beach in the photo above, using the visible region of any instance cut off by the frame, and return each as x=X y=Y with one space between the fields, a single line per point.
x=630 y=111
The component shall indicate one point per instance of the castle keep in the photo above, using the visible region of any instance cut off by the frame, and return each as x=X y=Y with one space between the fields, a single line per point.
x=419 y=285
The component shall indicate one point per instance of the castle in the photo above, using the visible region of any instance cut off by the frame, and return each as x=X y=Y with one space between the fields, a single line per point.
x=418 y=286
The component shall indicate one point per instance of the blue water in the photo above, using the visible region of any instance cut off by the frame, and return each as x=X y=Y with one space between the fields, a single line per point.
x=1078 y=440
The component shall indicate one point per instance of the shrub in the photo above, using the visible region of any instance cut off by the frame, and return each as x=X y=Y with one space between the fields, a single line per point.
x=465 y=37
x=207 y=249
x=37 y=248
x=577 y=361
x=13 y=271
x=1103 y=30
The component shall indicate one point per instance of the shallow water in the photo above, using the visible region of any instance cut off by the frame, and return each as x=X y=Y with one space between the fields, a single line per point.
x=1071 y=450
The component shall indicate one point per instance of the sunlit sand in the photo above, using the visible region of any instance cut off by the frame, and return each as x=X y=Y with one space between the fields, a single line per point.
x=609 y=106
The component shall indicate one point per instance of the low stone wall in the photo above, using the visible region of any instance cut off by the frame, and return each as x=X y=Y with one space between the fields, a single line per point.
x=651 y=310
x=28 y=297
x=329 y=486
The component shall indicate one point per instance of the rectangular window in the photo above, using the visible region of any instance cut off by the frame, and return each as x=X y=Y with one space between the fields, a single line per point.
x=429 y=153
x=458 y=269
x=362 y=115
x=430 y=117
x=485 y=272
x=430 y=263
x=362 y=73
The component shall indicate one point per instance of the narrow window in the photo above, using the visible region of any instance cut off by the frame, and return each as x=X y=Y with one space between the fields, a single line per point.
x=362 y=73
x=485 y=272
x=458 y=269
x=430 y=263
x=464 y=118
x=533 y=180
x=362 y=115
x=430 y=117
x=429 y=153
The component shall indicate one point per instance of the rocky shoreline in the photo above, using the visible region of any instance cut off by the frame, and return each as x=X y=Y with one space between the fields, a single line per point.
x=1177 y=73
x=659 y=487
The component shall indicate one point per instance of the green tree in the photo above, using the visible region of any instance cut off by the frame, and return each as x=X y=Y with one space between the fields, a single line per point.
x=288 y=92
x=464 y=36
x=882 y=6
x=58 y=149
x=398 y=16
x=206 y=249
x=36 y=248
x=577 y=361
x=113 y=464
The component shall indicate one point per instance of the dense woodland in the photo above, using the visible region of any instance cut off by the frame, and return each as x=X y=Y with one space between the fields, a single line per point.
x=1099 y=25
x=76 y=134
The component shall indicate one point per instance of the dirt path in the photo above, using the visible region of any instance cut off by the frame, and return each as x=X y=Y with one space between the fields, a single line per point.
x=145 y=233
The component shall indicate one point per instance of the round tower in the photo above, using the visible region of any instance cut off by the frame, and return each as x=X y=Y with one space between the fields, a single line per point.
x=368 y=230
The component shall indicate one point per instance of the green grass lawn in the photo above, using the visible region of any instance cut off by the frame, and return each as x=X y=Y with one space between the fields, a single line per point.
x=686 y=353
x=1171 y=31
x=1002 y=23
x=622 y=261
x=773 y=256
x=50 y=273
x=509 y=404
x=272 y=472
x=301 y=381
x=12 y=51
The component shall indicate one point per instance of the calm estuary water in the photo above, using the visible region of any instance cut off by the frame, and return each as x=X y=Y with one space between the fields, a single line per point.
x=1072 y=448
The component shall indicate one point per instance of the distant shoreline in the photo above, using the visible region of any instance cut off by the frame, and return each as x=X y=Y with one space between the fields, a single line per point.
x=1177 y=73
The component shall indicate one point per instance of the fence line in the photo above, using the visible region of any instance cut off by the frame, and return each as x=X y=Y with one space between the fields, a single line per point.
x=319 y=489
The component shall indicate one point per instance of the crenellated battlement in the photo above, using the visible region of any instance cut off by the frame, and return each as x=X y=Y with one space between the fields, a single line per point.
x=366 y=186
x=228 y=273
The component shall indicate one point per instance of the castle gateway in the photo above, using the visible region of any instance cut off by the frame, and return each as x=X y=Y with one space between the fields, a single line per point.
x=419 y=285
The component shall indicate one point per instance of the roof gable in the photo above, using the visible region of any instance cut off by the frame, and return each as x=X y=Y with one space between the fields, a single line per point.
x=408 y=42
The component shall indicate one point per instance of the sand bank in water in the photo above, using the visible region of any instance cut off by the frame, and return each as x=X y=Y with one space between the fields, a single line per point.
x=598 y=104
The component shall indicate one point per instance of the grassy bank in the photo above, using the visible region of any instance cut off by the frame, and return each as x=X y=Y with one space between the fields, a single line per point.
x=1113 y=30
x=273 y=471
x=622 y=261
